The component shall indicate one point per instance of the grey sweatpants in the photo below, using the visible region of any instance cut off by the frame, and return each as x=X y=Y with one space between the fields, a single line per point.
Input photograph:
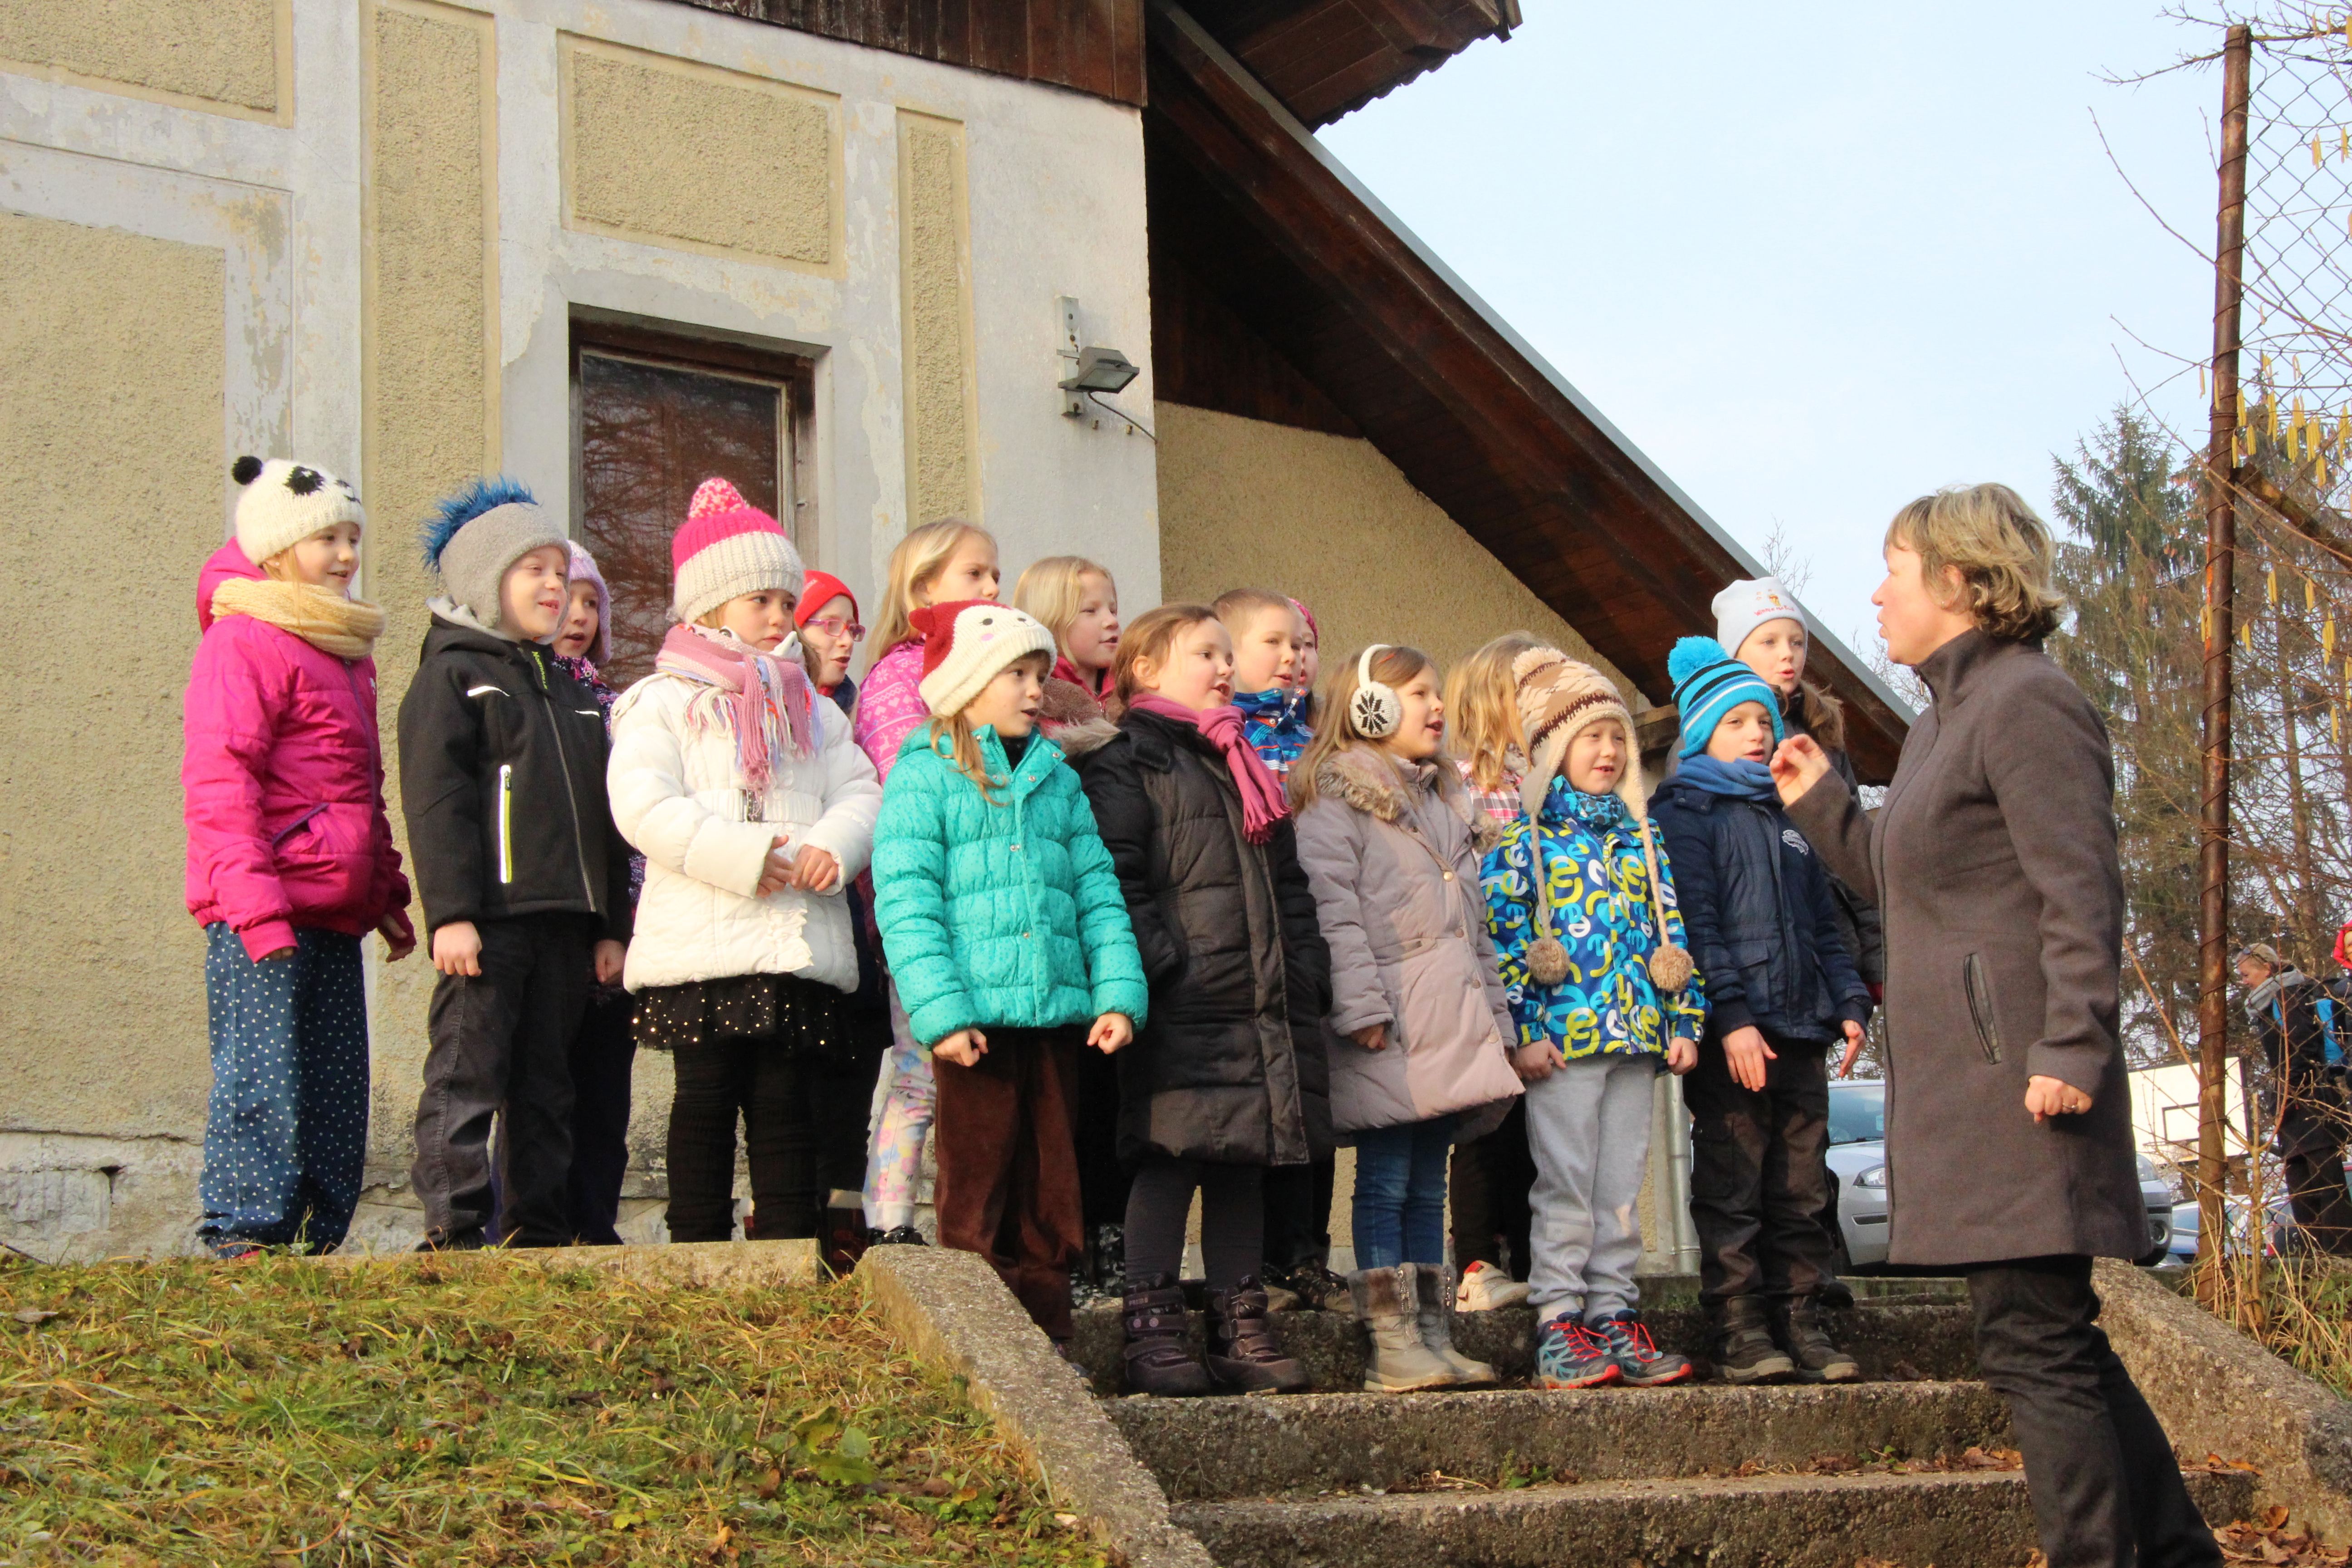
x=1589 y=1129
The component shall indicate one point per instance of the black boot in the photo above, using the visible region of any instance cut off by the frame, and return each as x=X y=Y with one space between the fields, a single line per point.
x=1244 y=1355
x=1745 y=1352
x=1158 y=1360
x=1817 y=1356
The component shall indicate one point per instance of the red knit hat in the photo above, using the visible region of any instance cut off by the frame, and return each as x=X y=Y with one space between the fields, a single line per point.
x=727 y=547
x=818 y=590
x=966 y=643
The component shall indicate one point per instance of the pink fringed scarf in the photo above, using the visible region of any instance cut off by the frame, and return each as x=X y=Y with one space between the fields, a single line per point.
x=1262 y=802
x=772 y=700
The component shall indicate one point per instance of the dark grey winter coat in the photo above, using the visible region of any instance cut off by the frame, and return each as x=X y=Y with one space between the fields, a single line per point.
x=1993 y=861
x=1230 y=1067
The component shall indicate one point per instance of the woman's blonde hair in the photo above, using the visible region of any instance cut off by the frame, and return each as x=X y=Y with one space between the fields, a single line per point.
x=962 y=737
x=918 y=558
x=2001 y=550
x=1053 y=589
x=1392 y=666
x=1153 y=636
x=1481 y=710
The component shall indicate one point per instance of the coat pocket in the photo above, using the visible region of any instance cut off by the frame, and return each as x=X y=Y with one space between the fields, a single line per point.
x=1983 y=1010
x=505 y=823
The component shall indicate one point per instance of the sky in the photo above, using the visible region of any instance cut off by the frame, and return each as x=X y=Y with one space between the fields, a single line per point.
x=1817 y=259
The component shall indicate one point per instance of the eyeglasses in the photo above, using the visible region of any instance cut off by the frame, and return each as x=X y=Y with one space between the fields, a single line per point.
x=834 y=626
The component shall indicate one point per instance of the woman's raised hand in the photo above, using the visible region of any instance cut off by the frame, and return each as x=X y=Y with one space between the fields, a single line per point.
x=1797 y=766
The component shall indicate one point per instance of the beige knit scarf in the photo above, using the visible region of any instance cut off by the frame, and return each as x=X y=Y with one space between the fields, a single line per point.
x=326 y=620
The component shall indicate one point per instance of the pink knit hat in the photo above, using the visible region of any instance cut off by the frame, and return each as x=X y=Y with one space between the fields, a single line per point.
x=728 y=547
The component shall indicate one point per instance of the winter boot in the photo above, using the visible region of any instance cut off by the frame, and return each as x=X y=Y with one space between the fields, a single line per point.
x=1433 y=1289
x=1640 y=1363
x=1244 y=1355
x=1158 y=1360
x=1745 y=1352
x=1386 y=1300
x=1817 y=1356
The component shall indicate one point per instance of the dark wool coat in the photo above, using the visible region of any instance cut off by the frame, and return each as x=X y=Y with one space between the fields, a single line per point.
x=1230 y=1067
x=1993 y=861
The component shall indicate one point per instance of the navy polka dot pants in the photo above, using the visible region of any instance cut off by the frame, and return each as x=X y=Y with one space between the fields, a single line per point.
x=286 y=1133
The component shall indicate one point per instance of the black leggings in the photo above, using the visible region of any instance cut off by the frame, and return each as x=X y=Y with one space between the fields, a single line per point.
x=775 y=1091
x=1232 y=1220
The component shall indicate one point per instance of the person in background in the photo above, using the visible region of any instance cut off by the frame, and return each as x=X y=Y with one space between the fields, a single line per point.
x=1580 y=899
x=950 y=561
x=1491 y=1176
x=2284 y=1006
x=754 y=810
x=1004 y=925
x=1420 y=1029
x=1310 y=663
x=525 y=883
x=826 y=622
x=1227 y=1079
x=290 y=859
x=1781 y=991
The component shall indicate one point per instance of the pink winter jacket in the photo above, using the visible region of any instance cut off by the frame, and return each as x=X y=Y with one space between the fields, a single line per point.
x=889 y=705
x=283 y=776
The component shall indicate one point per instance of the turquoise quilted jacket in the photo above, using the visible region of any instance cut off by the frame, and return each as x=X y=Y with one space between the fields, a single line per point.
x=1004 y=912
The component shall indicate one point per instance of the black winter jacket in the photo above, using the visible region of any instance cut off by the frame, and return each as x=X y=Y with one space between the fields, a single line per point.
x=1763 y=923
x=502 y=761
x=2286 y=1018
x=1230 y=1066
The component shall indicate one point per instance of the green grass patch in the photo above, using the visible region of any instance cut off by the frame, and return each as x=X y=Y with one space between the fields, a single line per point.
x=484 y=1409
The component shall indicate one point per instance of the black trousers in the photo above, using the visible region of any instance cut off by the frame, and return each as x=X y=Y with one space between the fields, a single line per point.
x=2310 y=1142
x=603 y=1058
x=1490 y=1183
x=1759 y=1184
x=1233 y=1214
x=2106 y=1488
x=1102 y=1180
x=504 y=1038
x=782 y=1097
x=1296 y=1204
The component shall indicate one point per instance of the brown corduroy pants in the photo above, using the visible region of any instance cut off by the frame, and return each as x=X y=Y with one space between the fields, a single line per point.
x=1005 y=1140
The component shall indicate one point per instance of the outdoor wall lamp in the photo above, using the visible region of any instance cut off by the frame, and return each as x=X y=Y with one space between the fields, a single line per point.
x=1101 y=369
x=1089 y=369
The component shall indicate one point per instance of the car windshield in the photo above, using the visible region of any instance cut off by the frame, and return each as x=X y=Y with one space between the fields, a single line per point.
x=1857 y=1112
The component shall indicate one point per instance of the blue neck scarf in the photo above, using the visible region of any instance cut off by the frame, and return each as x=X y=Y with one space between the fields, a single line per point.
x=1741 y=780
x=1603 y=814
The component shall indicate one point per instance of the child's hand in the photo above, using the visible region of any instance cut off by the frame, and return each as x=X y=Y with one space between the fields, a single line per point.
x=1372 y=1036
x=1111 y=1031
x=1746 y=1051
x=399 y=936
x=1797 y=767
x=815 y=872
x=964 y=1047
x=776 y=872
x=1682 y=1055
x=1533 y=1063
x=610 y=957
x=1852 y=1048
x=2048 y=1097
x=457 y=949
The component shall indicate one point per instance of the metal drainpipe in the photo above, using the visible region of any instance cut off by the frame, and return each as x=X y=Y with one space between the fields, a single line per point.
x=1678 y=1170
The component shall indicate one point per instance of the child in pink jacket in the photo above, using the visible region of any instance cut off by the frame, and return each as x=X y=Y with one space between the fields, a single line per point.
x=289 y=859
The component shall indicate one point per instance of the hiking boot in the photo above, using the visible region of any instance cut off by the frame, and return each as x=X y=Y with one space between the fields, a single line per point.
x=1639 y=1362
x=1244 y=1355
x=1158 y=1360
x=471 y=1239
x=1568 y=1356
x=1387 y=1301
x=1434 y=1290
x=1745 y=1352
x=1816 y=1355
x=1484 y=1288
x=897 y=1235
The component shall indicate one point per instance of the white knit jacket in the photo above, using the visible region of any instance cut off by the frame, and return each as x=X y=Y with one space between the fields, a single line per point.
x=680 y=799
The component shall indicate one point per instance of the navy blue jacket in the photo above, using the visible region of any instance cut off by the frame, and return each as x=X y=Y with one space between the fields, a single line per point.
x=1763 y=923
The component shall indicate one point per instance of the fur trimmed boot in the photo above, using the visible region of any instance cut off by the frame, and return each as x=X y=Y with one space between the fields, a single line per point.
x=1244 y=1355
x=1387 y=1301
x=1434 y=1290
x=1158 y=1360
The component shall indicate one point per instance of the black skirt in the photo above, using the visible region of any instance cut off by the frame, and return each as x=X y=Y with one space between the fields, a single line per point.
x=801 y=1016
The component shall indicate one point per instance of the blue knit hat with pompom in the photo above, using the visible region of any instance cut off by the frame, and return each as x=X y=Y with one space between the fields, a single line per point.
x=1709 y=683
x=475 y=534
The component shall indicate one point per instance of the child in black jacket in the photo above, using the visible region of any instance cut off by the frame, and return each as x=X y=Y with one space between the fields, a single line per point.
x=524 y=878
x=1780 y=990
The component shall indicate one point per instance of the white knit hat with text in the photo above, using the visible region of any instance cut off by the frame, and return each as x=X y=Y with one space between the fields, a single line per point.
x=1748 y=604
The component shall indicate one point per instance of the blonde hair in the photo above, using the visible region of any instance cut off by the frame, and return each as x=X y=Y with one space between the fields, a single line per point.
x=963 y=738
x=1052 y=590
x=2000 y=549
x=1392 y=666
x=1235 y=606
x=1481 y=710
x=914 y=563
x=1153 y=636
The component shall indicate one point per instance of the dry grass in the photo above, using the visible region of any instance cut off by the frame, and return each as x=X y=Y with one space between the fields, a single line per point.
x=481 y=1410
x=2300 y=1307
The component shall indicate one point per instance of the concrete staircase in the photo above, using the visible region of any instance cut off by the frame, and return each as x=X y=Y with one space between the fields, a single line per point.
x=1908 y=1466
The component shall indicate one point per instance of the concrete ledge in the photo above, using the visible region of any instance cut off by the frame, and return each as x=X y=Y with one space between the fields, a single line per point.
x=702 y=1264
x=2217 y=1391
x=949 y=1308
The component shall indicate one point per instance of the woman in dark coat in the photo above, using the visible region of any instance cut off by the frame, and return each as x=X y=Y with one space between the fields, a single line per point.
x=2009 y=1131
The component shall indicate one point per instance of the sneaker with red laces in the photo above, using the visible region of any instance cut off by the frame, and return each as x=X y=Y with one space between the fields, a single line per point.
x=1568 y=1356
x=1641 y=1363
x=1484 y=1288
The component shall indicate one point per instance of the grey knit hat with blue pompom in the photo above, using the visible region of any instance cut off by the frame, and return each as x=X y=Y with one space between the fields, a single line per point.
x=478 y=533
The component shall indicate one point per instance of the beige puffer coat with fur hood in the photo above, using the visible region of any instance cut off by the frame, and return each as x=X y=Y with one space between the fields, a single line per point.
x=1393 y=860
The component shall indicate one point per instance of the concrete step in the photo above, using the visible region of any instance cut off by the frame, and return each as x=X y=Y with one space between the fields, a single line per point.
x=1934 y=1340
x=1207 y=1449
x=1950 y=1519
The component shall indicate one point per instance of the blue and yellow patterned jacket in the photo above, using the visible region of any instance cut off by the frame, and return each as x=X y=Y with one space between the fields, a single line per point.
x=1601 y=911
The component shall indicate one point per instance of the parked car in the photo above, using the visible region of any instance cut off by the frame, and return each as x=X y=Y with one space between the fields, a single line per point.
x=2188 y=1224
x=1858 y=1161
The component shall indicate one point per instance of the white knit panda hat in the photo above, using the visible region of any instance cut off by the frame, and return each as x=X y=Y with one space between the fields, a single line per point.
x=285 y=503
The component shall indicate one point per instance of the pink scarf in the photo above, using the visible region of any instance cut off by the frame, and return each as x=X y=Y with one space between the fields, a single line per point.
x=771 y=704
x=1262 y=802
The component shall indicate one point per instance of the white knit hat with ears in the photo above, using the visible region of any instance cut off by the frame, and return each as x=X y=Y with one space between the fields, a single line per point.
x=1559 y=699
x=285 y=503
x=966 y=643
x=1748 y=604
